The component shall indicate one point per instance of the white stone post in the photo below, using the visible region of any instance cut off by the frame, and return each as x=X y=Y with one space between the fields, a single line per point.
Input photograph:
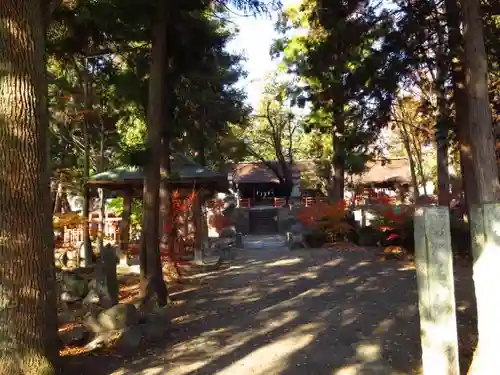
x=485 y=231
x=436 y=291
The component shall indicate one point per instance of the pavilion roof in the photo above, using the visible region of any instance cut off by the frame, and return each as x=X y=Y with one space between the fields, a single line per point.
x=184 y=171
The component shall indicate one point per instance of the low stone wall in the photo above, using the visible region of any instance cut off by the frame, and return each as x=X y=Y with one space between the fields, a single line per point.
x=286 y=218
x=242 y=220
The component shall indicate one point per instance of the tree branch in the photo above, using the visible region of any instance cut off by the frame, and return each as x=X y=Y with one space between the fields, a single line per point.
x=268 y=164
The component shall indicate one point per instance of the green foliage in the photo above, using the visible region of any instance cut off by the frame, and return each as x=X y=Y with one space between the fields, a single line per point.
x=316 y=238
x=345 y=72
x=274 y=130
x=115 y=205
x=98 y=64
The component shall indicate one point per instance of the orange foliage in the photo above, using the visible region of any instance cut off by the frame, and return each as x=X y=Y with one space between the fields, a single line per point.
x=326 y=216
x=392 y=219
x=218 y=220
x=180 y=206
x=67 y=220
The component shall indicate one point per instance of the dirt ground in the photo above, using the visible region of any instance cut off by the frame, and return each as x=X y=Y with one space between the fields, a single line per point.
x=276 y=311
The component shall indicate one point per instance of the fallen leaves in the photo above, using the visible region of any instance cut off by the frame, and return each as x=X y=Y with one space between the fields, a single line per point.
x=73 y=351
x=344 y=247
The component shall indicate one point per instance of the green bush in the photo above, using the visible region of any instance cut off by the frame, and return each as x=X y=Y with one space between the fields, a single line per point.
x=369 y=236
x=316 y=238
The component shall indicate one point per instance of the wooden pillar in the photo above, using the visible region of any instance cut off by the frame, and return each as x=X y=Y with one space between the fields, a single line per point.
x=203 y=230
x=197 y=222
x=125 y=222
x=102 y=219
x=436 y=291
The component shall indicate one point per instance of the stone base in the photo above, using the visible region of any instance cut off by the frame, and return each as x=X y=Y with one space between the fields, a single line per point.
x=295 y=241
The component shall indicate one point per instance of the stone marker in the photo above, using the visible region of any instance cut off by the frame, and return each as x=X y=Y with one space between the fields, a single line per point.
x=239 y=240
x=436 y=292
x=106 y=278
x=119 y=316
x=485 y=232
x=72 y=286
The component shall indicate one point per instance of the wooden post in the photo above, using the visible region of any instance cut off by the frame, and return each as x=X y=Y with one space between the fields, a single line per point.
x=102 y=219
x=436 y=292
x=125 y=221
x=485 y=223
x=197 y=221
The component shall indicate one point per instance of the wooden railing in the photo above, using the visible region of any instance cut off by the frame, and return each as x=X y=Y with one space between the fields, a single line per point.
x=309 y=201
x=279 y=202
x=244 y=203
x=74 y=236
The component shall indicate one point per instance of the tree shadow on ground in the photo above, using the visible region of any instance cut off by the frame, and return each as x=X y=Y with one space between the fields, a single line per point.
x=291 y=313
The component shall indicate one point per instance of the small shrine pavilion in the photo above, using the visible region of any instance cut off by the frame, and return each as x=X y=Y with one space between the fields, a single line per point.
x=186 y=177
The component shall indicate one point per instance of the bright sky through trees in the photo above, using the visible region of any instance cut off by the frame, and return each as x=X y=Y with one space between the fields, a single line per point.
x=254 y=40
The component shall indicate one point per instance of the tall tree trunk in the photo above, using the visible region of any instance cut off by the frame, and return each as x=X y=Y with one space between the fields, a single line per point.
x=460 y=99
x=480 y=132
x=202 y=160
x=420 y=164
x=28 y=317
x=59 y=198
x=479 y=112
x=407 y=145
x=150 y=260
x=87 y=245
x=102 y=192
x=442 y=128
x=125 y=221
x=337 y=170
x=165 y=194
x=168 y=228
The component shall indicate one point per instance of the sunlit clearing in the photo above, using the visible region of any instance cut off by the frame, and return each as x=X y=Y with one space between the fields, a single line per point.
x=408 y=267
x=309 y=275
x=278 y=321
x=368 y=352
x=184 y=368
x=236 y=267
x=358 y=265
x=349 y=370
x=349 y=316
x=316 y=292
x=297 y=299
x=242 y=338
x=384 y=325
x=347 y=280
x=284 y=262
x=153 y=371
x=272 y=358
x=314 y=268
x=215 y=331
x=333 y=262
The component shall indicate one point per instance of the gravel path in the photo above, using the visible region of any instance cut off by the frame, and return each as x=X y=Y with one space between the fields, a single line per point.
x=292 y=313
